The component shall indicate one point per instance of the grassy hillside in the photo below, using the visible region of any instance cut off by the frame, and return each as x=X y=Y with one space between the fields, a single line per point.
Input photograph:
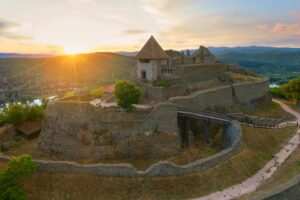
x=279 y=64
x=28 y=78
x=80 y=68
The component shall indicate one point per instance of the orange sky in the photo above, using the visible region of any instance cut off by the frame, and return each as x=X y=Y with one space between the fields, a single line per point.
x=73 y=26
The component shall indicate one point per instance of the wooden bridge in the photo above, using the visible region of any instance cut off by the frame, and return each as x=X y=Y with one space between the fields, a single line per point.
x=185 y=115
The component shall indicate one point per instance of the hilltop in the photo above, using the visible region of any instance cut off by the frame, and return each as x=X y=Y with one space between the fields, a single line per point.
x=278 y=64
x=63 y=72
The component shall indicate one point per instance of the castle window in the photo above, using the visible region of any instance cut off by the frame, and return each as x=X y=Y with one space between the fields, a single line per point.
x=144 y=60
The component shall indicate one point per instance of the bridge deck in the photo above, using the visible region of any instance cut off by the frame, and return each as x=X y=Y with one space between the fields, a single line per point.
x=204 y=115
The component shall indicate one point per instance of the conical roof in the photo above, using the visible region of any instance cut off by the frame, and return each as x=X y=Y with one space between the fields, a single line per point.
x=152 y=50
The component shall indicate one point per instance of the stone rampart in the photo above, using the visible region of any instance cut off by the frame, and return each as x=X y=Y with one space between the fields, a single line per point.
x=288 y=191
x=162 y=168
x=246 y=93
x=160 y=94
x=228 y=97
x=80 y=130
x=205 y=99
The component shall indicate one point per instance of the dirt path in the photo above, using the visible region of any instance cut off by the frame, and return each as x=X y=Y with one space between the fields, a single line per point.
x=251 y=184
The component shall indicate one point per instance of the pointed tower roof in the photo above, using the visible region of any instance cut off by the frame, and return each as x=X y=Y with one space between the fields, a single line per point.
x=152 y=50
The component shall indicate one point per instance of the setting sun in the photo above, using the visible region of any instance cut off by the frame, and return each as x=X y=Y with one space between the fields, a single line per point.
x=72 y=50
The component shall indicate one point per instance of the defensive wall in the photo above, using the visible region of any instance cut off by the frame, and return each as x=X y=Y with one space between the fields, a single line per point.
x=228 y=97
x=75 y=129
x=288 y=191
x=162 y=168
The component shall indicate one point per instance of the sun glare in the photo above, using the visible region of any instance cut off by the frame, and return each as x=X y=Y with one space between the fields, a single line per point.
x=72 y=50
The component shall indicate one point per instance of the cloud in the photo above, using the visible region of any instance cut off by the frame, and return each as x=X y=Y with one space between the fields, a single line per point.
x=6 y=28
x=287 y=29
x=296 y=14
x=134 y=31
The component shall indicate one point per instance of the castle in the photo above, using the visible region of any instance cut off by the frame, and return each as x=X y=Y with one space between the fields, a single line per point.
x=154 y=63
x=76 y=129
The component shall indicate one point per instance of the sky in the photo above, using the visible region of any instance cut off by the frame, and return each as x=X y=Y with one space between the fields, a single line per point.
x=79 y=26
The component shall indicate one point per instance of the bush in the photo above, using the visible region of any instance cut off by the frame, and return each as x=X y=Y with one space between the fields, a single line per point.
x=15 y=113
x=69 y=94
x=16 y=170
x=162 y=83
x=18 y=113
x=292 y=89
x=33 y=113
x=98 y=93
x=277 y=92
x=3 y=119
x=127 y=94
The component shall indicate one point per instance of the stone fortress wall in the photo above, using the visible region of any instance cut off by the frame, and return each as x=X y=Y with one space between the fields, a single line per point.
x=228 y=97
x=288 y=191
x=162 y=168
x=79 y=130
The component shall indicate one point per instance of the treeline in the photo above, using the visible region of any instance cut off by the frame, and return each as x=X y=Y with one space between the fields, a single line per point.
x=19 y=113
x=290 y=91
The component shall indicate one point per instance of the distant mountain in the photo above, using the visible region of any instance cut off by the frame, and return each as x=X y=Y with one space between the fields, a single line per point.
x=127 y=53
x=219 y=51
x=278 y=64
x=17 y=55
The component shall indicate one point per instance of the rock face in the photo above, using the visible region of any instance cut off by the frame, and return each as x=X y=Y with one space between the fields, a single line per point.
x=79 y=130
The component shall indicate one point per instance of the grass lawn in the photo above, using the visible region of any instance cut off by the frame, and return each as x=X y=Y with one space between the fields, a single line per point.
x=285 y=173
x=259 y=147
x=271 y=111
x=23 y=147
x=290 y=104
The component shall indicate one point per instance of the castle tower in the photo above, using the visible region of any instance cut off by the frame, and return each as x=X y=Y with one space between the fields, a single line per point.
x=149 y=60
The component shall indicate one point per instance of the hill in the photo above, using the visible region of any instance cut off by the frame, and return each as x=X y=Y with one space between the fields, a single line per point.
x=279 y=64
x=48 y=75
x=17 y=55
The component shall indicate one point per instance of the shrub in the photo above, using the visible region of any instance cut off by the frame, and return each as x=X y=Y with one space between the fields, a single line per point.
x=15 y=113
x=16 y=170
x=127 y=94
x=98 y=93
x=33 y=113
x=18 y=113
x=292 y=89
x=3 y=119
x=69 y=94
x=162 y=83
x=277 y=92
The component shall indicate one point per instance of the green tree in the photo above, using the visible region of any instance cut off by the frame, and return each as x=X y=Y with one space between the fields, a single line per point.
x=15 y=113
x=292 y=90
x=17 y=169
x=277 y=92
x=33 y=113
x=98 y=92
x=127 y=94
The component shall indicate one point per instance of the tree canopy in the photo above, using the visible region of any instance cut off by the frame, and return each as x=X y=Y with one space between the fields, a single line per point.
x=127 y=94
x=15 y=171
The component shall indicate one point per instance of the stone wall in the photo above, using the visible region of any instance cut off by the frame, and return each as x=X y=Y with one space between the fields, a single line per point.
x=205 y=99
x=163 y=168
x=227 y=97
x=246 y=93
x=288 y=191
x=80 y=130
x=160 y=94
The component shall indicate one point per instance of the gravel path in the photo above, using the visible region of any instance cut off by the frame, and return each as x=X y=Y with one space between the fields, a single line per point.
x=251 y=184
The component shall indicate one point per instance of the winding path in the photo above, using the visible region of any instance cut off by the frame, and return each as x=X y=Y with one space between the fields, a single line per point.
x=251 y=184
